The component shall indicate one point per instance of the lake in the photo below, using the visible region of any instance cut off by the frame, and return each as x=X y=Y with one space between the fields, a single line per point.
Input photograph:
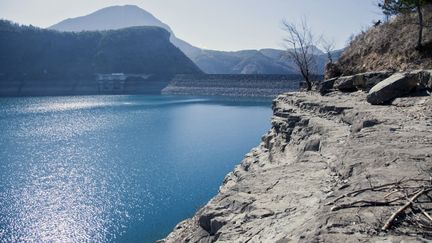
x=116 y=168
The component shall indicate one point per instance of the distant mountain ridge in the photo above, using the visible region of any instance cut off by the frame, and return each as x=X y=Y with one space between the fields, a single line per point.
x=265 y=61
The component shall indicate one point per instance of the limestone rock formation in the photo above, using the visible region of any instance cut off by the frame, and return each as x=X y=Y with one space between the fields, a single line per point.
x=328 y=171
x=361 y=81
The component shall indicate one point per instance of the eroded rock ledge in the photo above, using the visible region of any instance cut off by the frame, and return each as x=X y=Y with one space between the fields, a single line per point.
x=319 y=148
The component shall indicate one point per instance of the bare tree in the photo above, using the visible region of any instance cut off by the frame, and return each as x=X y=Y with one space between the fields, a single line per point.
x=328 y=47
x=300 y=43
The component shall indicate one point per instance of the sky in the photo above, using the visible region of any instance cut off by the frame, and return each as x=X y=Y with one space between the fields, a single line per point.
x=217 y=24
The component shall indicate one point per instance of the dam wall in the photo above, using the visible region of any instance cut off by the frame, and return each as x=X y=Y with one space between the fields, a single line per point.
x=232 y=85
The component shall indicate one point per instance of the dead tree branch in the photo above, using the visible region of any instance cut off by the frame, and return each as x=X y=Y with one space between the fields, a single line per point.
x=389 y=222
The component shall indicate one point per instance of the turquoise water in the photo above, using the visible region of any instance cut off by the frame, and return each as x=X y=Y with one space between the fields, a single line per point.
x=116 y=168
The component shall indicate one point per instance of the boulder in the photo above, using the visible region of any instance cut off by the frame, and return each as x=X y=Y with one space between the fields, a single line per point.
x=429 y=84
x=365 y=81
x=331 y=71
x=312 y=145
x=345 y=84
x=357 y=126
x=361 y=81
x=216 y=224
x=326 y=86
x=425 y=79
x=206 y=218
x=397 y=85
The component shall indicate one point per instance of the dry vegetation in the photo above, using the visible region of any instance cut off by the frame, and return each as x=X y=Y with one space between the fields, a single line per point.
x=389 y=46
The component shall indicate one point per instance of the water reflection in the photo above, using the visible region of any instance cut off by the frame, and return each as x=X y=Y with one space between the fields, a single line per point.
x=115 y=168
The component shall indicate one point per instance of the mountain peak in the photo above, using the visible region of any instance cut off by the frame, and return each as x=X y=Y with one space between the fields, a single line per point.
x=111 y=18
x=127 y=7
x=130 y=6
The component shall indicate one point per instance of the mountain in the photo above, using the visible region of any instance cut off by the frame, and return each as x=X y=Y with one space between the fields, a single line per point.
x=118 y=17
x=30 y=53
x=266 y=61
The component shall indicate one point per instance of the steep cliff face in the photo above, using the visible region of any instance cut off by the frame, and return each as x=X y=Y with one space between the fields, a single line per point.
x=332 y=168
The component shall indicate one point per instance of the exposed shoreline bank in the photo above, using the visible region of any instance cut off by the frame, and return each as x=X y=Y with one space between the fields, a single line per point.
x=319 y=148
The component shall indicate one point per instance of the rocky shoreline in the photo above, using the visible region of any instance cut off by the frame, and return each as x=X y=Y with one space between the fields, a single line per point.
x=315 y=175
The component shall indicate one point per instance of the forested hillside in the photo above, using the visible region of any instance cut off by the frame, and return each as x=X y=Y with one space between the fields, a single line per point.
x=390 y=46
x=30 y=53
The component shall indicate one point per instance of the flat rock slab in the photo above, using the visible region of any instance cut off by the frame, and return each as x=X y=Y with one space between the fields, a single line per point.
x=282 y=190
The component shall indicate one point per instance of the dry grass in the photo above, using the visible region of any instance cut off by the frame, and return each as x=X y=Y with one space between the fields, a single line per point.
x=390 y=46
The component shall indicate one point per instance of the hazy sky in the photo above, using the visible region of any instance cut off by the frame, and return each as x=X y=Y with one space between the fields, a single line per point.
x=216 y=24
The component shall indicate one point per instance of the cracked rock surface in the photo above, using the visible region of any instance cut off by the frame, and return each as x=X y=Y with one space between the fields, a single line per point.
x=319 y=148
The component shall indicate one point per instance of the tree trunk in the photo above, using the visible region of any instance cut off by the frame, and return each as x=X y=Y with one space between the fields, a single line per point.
x=329 y=56
x=306 y=77
x=308 y=83
x=421 y=26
